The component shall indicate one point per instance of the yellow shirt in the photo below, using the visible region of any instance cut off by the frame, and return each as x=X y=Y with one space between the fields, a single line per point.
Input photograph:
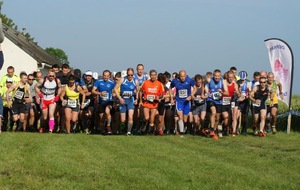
x=3 y=95
x=15 y=78
x=72 y=94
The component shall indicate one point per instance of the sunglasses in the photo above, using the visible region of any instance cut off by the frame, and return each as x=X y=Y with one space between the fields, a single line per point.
x=130 y=75
x=30 y=79
x=263 y=82
x=51 y=76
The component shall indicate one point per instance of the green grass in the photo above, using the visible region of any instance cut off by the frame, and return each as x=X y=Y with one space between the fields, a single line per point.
x=58 y=161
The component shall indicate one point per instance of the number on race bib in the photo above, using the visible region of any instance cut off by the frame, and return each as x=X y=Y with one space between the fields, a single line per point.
x=19 y=95
x=127 y=94
x=226 y=101
x=150 y=98
x=72 y=103
x=104 y=97
x=256 y=104
x=182 y=93
x=216 y=95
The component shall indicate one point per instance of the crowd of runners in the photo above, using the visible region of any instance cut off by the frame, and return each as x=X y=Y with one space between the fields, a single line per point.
x=132 y=102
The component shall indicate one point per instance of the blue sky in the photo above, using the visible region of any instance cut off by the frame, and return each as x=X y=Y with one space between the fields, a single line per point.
x=195 y=35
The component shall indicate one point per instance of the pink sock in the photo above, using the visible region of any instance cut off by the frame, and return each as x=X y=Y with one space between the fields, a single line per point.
x=51 y=124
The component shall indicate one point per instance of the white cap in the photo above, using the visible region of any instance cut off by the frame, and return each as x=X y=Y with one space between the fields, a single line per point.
x=9 y=80
x=123 y=73
x=89 y=73
x=95 y=75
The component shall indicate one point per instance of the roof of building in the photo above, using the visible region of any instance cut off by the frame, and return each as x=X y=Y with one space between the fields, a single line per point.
x=29 y=46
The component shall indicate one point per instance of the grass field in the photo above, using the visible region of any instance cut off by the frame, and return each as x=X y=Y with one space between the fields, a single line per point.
x=59 y=161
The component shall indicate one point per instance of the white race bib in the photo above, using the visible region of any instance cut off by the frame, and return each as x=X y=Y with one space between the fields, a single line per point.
x=226 y=101
x=104 y=97
x=150 y=98
x=182 y=93
x=216 y=96
x=198 y=99
x=127 y=94
x=19 y=95
x=72 y=103
x=256 y=104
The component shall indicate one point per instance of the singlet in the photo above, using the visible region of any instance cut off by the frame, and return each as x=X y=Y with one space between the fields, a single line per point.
x=261 y=95
x=254 y=83
x=273 y=89
x=226 y=99
x=89 y=86
x=49 y=89
x=198 y=100
x=72 y=94
x=18 y=94
x=183 y=89
x=214 y=88
x=244 y=88
x=107 y=86
x=140 y=79
x=63 y=79
x=128 y=88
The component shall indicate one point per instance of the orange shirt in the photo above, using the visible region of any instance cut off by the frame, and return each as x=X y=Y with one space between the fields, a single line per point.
x=152 y=90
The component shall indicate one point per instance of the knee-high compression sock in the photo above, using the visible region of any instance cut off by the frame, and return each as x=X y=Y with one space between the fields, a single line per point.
x=51 y=124
x=181 y=125
x=129 y=126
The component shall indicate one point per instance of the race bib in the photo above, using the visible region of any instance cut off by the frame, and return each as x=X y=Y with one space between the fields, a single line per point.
x=49 y=91
x=216 y=96
x=19 y=95
x=72 y=103
x=226 y=101
x=127 y=94
x=198 y=99
x=182 y=93
x=104 y=97
x=256 y=104
x=232 y=104
x=150 y=98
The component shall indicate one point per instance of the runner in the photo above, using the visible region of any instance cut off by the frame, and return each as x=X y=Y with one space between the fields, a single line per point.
x=184 y=86
x=213 y=91
x=128 y=96
x=199 y=104
x=48 y=90
x=151 y=92
x=258 y=96
x=19 y=90
x=70 y=100
x=5 y=112
x=272 y=109
x=254 y=83
x=30 y=111
x=103 y=88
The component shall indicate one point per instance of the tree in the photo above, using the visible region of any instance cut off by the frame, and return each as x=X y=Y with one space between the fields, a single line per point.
x=58 y=54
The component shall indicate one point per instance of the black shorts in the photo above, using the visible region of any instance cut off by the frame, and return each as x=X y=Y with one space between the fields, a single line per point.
x=161 y=108
x=18 y=108
x=226 y=108
x=244 y=107
x=102 y=106
x=269 y=107
x=256 y=110
x=212 y=104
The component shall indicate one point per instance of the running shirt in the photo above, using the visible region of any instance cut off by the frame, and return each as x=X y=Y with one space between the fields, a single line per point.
x=254 y=83
x=244 y=88
x=198 y=100
x=151 y=91
x=214 y=88
x=18 y=94
x=261 y=95
x=183 y=89
x=89 y=86
x=63 y=78
x=226 y=99
x=273 y=89
x=49 y=89
x=107 y=86
x=128 y=88
x=72 y=94
x=140 y=79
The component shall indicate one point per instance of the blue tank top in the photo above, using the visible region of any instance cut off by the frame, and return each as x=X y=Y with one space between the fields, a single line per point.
x=107 y=86
x=140 y=80
x=128 y=88
x=214 y=88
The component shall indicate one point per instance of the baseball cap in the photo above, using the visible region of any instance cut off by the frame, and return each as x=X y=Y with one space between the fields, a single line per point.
x=243 y=75
x=9 y=80
x=89 y=73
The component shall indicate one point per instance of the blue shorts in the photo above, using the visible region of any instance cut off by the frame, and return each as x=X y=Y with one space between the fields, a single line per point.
x=185 y=107
x=129 y=105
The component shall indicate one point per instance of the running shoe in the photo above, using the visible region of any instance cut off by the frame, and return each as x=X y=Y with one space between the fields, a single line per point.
x=262 y=134
x=255 y=132
x=41 y=129
x=215 y=137
x=128 y=134
x=274 y=130
x=160 y=132
x=108 y=129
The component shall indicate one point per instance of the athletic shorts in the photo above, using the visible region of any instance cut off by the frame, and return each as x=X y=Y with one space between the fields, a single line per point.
x=73 y=108
x=161 y=108
x=244 y=107
x=256 y=110
x=197 y=109
x=212 y=104
x=27 y=107
x=46 y=103
x=226 y=108
x=102 y=106
x=129 y=105
x=18 y=108
x=269 y=108
x=185 y=107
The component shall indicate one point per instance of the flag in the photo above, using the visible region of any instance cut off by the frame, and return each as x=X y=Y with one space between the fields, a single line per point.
x=282 y=64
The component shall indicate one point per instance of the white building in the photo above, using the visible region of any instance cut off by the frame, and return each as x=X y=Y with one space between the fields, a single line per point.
x=23 y=54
